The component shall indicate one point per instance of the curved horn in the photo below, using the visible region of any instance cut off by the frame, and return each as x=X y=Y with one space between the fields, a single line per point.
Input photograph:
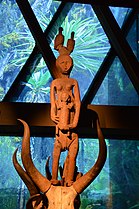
x=36 y=201
x=83 y=182
x=24 y=176
x=42 y=182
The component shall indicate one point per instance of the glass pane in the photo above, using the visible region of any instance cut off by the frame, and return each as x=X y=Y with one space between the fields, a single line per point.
x=16 y=44
x=122 y=175
x=120 y=14
x=124 y=170
x=115 y=187
x=16 y=40
x=44 y=11
x=13 y=193
x=133 y=37
x=116 y=88
x=94 y=196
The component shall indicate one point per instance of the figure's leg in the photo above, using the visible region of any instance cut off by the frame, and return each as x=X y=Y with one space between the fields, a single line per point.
x=55 y=163
x=72 y=154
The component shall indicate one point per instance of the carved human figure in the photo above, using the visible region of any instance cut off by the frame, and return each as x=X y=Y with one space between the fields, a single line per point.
x=65 y=110
x=64 y=106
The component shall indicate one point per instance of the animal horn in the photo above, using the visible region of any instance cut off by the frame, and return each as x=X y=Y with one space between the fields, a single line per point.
x=42 y=182
x=24 y=176
x=82 y=183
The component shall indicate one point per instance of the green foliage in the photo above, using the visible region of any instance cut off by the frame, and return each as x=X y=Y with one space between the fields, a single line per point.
x=1 y=92
x=136 y=206
x=36 y=84
x=16 y=40
x=96 y=194
x=8 y=198
x=12 y=24
x=84 y=203
x=91 y=44
x=90 y=48
x=7 y=171
x=8 y=39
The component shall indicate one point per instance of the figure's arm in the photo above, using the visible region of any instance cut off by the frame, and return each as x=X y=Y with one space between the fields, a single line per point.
x=77 y=105
x=54 y=116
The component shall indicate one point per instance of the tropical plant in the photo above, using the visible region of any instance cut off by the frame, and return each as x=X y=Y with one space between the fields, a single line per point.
x=90 y=48
x=16 y=41
x=7 y=147
x=91 y=43
x=36 y=85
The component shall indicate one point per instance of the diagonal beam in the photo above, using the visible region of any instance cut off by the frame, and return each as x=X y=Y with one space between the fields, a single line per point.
x=99 y=77
x=119 y=43
x=101 y=73
x=35 y=56
x=38 y=35
x=115 y=3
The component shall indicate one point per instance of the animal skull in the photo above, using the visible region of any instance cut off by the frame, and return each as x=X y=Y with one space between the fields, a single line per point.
x=40 y=187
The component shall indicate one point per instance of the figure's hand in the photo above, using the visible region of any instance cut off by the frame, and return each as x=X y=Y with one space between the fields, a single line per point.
x=72 y=126
x=55 y=118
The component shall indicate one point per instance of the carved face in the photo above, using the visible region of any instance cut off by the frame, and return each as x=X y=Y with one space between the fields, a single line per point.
x=64 y=64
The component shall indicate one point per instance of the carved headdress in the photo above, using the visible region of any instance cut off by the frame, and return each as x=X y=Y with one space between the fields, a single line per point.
x=64 y=51
x=59 y=41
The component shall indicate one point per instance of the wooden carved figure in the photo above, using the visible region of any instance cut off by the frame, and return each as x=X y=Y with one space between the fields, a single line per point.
x=47 y=192
x=43 y=194
x=65 y=110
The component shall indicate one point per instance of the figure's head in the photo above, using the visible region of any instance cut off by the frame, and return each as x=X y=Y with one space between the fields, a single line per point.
x=64 y=63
